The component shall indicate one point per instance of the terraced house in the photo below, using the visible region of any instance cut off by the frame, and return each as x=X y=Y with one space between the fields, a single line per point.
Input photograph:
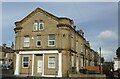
x=50 y=46
x=6 y=55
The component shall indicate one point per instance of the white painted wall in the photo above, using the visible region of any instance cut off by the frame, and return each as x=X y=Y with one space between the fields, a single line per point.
x=17 y=65
x=116 y=64
x=17 y=69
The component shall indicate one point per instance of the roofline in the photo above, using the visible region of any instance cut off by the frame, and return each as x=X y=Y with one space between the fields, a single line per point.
x=41 y=10
x=66 y=25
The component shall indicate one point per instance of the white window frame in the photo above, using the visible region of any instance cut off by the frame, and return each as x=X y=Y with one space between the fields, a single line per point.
x=37 y=44
x=51 y=40
x=51 y=62
x=25 y=62
x=26 y=41
x=38 y=38
x=41 y=22
x=37 y=24
x=81 y=46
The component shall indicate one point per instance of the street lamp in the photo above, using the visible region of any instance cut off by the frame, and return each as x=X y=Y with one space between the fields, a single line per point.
x=100 y=61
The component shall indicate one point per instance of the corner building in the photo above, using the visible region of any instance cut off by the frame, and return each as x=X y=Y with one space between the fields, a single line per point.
x=49 y=46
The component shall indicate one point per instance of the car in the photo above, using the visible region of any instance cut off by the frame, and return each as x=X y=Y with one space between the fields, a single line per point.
x=4 y=66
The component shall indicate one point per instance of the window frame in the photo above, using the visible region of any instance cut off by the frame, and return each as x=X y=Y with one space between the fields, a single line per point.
x=82 y=48
x=36 y=25
x=51 y=40
x=41 y=22
x=37 y=44
x=38 y=38
x=25 y=62
x=26 y=41
x=52 y=62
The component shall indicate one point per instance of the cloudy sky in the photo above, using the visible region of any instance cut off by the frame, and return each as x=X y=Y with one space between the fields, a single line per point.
x=98 y=20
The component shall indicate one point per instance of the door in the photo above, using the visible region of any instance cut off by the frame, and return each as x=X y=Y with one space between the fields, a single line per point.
x=39 y=66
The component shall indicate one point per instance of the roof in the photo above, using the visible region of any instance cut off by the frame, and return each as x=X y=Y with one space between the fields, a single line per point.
x=42 y=11
x=6 y=50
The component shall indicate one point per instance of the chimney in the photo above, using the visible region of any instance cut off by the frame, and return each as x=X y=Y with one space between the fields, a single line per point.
x=4 y=45
x=74 y=27
x=88 y=43
x=12 y=46
x=81 y=32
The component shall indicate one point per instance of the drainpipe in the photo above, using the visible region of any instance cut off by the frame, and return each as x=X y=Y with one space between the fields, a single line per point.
x=70 y=50
x=75 y=39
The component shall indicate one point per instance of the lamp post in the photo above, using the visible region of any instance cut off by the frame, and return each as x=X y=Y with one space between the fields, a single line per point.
x=100 y=61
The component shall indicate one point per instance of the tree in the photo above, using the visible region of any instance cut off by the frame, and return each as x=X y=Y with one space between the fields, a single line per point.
x=118 y=52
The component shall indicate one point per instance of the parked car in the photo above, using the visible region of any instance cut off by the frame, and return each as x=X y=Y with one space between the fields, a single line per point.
x=4 y=66
x=83 y=71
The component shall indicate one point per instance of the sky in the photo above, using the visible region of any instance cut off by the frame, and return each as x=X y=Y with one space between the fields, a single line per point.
x=98 y=20
x=60 y=0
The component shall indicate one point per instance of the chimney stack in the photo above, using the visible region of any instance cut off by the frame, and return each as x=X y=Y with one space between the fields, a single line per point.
x=81 y=32
x=74 y=27
x=12 y=46
x=88 y=43
x=4 y=45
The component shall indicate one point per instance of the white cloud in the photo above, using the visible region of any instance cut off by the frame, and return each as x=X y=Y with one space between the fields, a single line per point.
x=108 y=54
x=107 y=35
x=104 y=40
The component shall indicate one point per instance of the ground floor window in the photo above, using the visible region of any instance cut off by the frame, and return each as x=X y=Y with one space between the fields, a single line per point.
x=51 y=62
x=1 y=61
x=25 y=62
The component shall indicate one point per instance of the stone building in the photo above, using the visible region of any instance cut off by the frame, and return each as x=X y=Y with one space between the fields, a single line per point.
x=50 y=46
x=7 y=54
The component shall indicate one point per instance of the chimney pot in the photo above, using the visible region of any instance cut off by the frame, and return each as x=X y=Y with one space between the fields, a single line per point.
x=81 y=32
x=4 y=45
x=12 y=46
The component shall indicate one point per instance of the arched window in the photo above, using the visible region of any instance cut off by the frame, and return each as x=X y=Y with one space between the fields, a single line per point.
x=41 y=25
x=35 y=26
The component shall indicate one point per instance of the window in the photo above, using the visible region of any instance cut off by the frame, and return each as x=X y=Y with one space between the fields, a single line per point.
x=38 y=41
x=35 y=26
x=72 y=57
x=81 y=48
x=26 y=41
x=25 y=62
x=41 y=25
x=1 y=62
x=51 y=40
x=51 y=62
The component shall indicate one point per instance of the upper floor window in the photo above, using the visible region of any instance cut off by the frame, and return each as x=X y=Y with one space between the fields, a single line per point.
x=25 y=63
x=51 y=62
x=41 y=25
x=26 y=41
x=38 y=41
x=35 y=25
x=81 y=46
x=51 y=40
